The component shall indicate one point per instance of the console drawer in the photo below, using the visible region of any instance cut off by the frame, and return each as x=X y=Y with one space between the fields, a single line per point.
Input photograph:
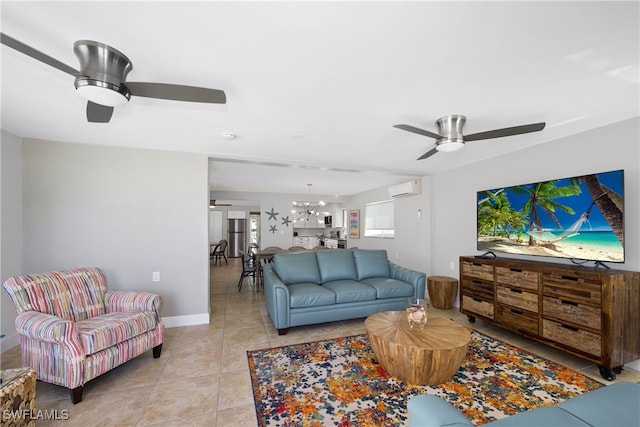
x=576 y=313
x=477 y=306
x=518 y=320
x=480 y=271
x=573 y=288
x=518 y=298
x=570 y=336
x=518 y=277
x=477 y=289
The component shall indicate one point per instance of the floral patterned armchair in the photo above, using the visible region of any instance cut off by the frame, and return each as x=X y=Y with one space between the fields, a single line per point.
x=72 y=329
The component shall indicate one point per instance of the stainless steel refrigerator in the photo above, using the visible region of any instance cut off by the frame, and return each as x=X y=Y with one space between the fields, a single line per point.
x=237 y=240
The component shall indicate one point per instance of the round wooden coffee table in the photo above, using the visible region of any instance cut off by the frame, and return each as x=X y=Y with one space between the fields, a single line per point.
x=426 y=356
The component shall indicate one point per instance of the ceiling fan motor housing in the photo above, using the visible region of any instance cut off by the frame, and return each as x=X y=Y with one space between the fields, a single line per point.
x=104 y=70
x=450 y=128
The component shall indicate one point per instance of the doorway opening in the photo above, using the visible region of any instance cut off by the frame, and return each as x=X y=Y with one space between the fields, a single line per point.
x=254 y=224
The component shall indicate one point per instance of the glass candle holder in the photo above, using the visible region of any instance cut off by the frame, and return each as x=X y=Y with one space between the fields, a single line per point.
x=417 y=309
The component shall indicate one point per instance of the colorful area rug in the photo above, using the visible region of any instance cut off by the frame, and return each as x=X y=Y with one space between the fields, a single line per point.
x=339 y=383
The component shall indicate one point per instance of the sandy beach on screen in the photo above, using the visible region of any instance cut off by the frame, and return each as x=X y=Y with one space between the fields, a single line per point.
x=558 y=249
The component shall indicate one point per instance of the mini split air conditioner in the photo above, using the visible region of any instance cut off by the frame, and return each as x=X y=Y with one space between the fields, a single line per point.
x=408 y=188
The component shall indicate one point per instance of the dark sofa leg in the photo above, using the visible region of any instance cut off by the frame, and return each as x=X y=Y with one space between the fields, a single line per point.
x=76 y=394
x=157 y=350
x=283 y=331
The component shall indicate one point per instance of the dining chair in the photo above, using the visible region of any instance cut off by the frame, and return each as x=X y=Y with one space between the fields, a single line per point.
x=219 y=252
x=249 y=268
x=297 y=248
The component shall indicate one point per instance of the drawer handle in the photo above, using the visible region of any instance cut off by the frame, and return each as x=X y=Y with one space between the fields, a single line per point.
x=517 y=270
x=476 y=299
x=517 y=291
x=574 y=279
x=564 y=301
x=515 y=311
x=571 y=328
x=477 y=282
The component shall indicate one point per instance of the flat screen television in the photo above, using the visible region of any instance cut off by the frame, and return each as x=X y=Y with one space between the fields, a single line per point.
x=580 y=218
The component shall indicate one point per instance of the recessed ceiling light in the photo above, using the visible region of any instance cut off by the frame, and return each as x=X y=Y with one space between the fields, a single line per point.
x=229 y=135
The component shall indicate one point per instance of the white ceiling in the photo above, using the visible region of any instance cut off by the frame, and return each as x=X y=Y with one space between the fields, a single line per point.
x=314 y=88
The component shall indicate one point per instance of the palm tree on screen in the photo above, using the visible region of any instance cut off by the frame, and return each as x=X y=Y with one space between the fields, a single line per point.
x=542 y=198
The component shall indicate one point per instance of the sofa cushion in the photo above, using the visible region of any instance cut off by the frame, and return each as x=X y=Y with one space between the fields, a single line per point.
x=390 y=288
x=299 y=267
x=98 y=333
x=70 y=294
x=615 y=404
x=351 y=291
x=336 y=264
x=310 y=295
x=371 y=263
x=543 y=416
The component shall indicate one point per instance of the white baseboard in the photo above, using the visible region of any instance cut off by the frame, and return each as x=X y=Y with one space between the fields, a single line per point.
x=188 y=320
x=9 y=341
x=634 y=365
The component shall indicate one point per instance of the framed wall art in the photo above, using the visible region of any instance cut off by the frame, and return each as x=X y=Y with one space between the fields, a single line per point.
x=354 y=224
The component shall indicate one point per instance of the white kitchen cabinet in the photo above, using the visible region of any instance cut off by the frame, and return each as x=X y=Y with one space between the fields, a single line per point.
x=331 y=243
x=306 y=242
x=338 y=216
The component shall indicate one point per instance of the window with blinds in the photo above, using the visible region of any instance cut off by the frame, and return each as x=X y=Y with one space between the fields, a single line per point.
x=379 y=220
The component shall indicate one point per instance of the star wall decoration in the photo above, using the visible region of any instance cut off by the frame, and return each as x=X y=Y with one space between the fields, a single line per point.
x=285 y=220
x=273 y=229
x=272 y=215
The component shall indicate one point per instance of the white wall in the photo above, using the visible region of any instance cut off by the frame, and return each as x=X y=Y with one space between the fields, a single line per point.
x=10 y=229
x=411 y=245
x=128 y=211
x=454 y=192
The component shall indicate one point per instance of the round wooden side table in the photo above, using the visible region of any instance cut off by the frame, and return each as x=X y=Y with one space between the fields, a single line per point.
x=426 y=356
x=442 y=291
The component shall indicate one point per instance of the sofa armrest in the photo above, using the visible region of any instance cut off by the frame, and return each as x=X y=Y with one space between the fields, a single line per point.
x=415 y=278
x=45 y=327
x=276 y=296
x=427 y=410
x=119 y=301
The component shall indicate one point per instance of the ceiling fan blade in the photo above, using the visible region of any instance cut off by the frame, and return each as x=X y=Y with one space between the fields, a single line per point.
x=177 y=92
x=499 y=133
x=37 y=55
x=97 y=113
x=428 y=154
x=418 y=131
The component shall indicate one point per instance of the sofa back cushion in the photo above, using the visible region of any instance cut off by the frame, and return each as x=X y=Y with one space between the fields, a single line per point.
x=72 y=294
x=298 y=267
x=336 y=264
x=371 y=263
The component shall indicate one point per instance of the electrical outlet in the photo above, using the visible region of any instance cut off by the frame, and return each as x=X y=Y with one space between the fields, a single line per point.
x=155 y=276
x=453 y=265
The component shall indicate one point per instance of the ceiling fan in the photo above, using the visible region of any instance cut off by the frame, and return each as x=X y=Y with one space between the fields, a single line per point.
x=102 y=79
x=450 y=137
x=213 y=204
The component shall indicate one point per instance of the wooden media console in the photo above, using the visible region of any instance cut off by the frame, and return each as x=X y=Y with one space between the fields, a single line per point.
x=592 y=313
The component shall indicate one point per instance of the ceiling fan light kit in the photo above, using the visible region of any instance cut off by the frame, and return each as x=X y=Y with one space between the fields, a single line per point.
x=450 y=138
x=102 y=93
x=447 y=145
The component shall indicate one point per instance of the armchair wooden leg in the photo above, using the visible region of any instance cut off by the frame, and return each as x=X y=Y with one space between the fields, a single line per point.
x=76 y=394
x=157 y=350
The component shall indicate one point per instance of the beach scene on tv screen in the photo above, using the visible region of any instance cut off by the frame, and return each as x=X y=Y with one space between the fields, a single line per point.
x=580 y=218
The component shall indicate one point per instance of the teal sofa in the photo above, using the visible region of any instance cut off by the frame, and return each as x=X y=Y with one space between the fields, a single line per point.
x=305 y=288
x=614 y=405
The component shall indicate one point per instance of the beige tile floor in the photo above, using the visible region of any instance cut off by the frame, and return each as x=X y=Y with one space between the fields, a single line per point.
x=202 y=377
